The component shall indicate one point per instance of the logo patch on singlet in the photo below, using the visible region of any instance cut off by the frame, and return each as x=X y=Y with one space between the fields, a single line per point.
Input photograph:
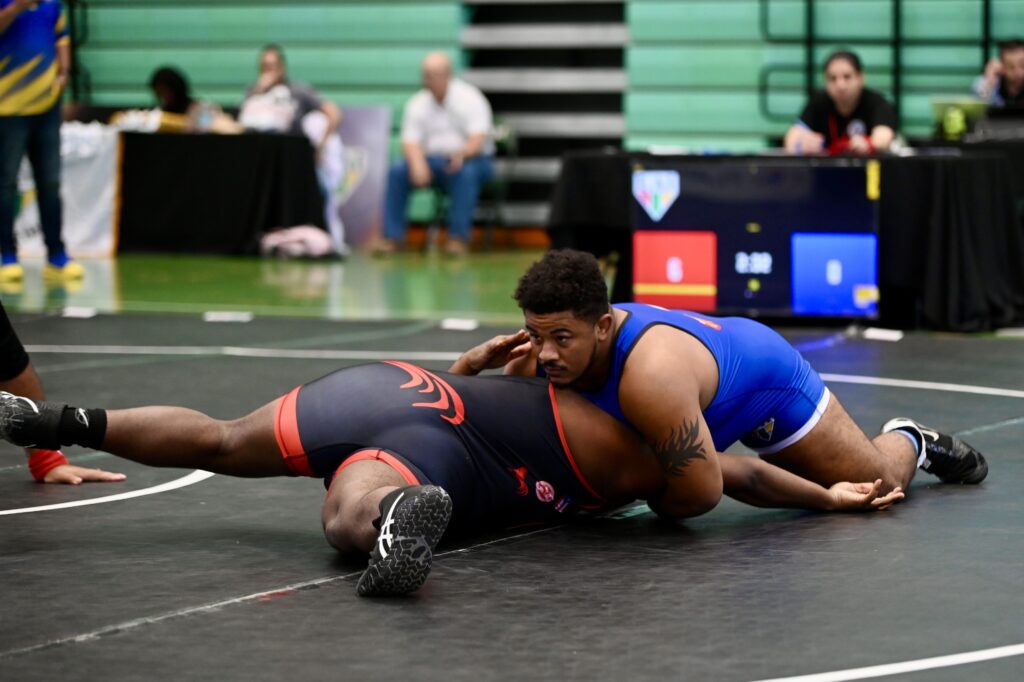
x=545 y=491
x=764 y=431
x=448 y=401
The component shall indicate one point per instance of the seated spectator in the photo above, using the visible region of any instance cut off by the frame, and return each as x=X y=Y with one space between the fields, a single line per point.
x=173 y=94
x=446 y=142
x=277 y=104
x=1002 y=84
x=177 y=111
x=845 y=117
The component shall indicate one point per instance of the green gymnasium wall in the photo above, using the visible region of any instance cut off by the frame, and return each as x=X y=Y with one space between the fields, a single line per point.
x=694 y=64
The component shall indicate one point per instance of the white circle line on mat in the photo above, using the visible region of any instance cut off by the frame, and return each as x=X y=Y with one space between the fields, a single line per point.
x=195 y=477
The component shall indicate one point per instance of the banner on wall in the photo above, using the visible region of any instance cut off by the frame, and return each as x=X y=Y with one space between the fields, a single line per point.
x=366 y=133
x=88 y=192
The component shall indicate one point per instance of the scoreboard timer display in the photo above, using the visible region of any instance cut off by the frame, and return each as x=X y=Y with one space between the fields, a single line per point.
x=771 y=237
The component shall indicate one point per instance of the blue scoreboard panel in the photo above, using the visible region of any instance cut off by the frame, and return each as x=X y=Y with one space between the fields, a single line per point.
x=766 y=237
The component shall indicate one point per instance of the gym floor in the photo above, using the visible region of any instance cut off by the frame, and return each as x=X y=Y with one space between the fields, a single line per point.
x=207 y=577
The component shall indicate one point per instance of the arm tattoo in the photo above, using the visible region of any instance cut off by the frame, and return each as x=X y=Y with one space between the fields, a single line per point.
x=681 y=447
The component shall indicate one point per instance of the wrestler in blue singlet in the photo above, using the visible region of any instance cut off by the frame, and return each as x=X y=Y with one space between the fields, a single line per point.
x=768 y=396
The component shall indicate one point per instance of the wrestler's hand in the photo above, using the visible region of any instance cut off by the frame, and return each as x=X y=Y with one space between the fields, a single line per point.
x=863 y=496
x=73 y=475
x=496 y=352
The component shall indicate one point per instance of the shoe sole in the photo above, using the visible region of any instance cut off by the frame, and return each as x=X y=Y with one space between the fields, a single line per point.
x=419 y=524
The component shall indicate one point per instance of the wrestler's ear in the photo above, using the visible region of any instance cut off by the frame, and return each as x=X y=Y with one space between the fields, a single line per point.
x=604 y=325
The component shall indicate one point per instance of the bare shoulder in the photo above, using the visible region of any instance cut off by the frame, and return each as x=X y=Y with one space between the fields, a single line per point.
x=661 y=377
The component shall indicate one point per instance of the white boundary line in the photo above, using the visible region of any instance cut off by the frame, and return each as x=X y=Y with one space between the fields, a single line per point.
x=907 y=666
x=284 y=353
x=195 y=477
x=925 y=385
x=244 y=352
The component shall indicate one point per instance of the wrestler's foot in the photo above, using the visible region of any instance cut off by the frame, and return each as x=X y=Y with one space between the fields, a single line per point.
x=947 y=457
x=29 y=423
x=412 y=521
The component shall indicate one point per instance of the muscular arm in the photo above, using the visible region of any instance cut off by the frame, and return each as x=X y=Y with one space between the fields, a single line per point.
x=755 y=482
x=660 y=396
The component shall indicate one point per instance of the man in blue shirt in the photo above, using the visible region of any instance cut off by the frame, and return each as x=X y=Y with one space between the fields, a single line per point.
x=35 y=57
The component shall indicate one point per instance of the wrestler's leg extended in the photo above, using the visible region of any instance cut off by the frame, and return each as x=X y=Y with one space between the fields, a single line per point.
x=156 y=436
x=836 y=449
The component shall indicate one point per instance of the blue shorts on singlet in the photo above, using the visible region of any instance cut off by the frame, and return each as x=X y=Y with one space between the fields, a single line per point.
x=494 y=443
x=768 y=396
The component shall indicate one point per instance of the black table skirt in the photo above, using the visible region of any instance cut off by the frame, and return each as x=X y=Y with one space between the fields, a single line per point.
x=214 y=193
x=951 y=245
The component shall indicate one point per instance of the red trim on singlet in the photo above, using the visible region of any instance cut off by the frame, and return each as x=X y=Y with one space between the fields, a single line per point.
x=380 y=456
x=286 y=431
x=449 y=397
x=565 y=444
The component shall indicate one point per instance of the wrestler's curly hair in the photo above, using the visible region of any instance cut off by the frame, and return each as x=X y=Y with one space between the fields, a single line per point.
x=564 y=280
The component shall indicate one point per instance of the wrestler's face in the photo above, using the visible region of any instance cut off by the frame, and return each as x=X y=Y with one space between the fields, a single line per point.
x=567 y=346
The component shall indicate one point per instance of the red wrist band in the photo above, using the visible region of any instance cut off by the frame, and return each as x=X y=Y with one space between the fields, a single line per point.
x=42 y=462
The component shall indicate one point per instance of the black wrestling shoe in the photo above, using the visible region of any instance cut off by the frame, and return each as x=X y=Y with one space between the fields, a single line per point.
x=412 y=521
x=947 y=457
x=28 y=423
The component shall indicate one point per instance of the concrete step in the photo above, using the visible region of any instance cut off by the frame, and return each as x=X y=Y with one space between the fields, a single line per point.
x=548 y=80
x=501 y=36
x=566 y=125
x=520 y=213
x=528 y=169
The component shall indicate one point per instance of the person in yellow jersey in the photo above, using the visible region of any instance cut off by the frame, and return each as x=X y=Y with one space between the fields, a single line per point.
x=35 y=57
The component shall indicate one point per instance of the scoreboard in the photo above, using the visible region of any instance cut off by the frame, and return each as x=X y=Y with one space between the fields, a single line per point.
x=766 y=237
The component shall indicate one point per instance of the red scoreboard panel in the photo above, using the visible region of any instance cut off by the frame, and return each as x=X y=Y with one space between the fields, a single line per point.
x=676 y=269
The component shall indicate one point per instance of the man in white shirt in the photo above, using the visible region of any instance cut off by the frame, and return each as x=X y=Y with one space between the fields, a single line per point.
x=446 y=142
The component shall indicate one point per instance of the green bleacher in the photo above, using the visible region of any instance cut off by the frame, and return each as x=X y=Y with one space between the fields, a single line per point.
x=693 y=65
